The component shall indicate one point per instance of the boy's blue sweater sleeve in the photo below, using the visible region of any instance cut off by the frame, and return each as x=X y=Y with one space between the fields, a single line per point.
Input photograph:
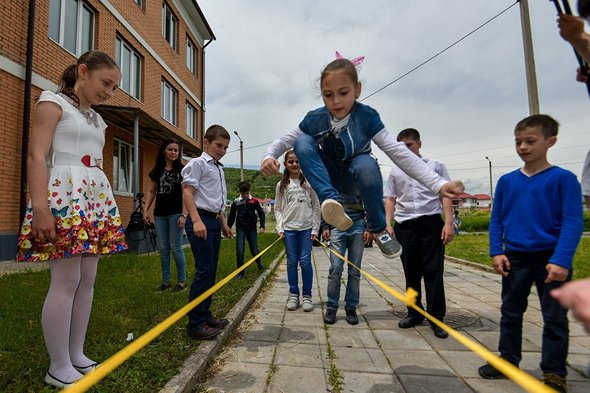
x=572 y=222
x=496 y=231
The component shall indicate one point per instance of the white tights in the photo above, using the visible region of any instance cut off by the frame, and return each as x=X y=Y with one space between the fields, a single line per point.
x=66 y=313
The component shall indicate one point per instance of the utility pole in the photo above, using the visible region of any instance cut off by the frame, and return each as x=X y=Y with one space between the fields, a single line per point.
x=491 y=195
x=241 y=156
x=529 y=58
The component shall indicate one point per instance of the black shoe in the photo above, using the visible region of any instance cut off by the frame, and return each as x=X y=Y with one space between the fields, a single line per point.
x=409 y=322
x=330 y=316
x=438 y=332
x=488 y=371
x=203 y=332
x=179 y=287
x=351 y=317
x=240 y=276
x=554 y=381
x=216 y=323
x=260 y=266
x=164 y=286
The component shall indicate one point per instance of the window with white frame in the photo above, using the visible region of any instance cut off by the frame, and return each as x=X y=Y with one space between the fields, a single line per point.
x=191 y=56
x=139 y=3
x=169 y=102
x=129 y=63
x=191 y=121
x=123 y=167
x=169 y=25
x=71 y=25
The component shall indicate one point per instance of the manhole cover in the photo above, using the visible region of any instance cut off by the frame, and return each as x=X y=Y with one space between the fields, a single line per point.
x=455 y=318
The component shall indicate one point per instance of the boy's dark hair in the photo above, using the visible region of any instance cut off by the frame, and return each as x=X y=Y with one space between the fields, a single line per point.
x=545 y=123
x=216 y=131
x=584 y=8
x=340 y=64
x=244 y=186
x=409 y=133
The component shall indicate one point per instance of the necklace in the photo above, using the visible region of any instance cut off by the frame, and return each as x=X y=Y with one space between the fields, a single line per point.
x=89 y=114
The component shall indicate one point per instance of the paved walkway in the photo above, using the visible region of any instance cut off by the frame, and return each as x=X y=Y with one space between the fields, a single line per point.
x=277 y=350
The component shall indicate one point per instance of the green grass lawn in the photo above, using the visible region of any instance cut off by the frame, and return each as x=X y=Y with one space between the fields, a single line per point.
x=125 y=301
x=475 y=248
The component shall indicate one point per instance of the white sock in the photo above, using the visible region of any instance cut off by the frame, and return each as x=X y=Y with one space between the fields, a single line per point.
x=81 y=311
x=57 y=314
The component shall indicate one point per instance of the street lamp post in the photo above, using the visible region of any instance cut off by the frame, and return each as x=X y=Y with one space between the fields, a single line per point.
x=491 y=195
x=241 y=156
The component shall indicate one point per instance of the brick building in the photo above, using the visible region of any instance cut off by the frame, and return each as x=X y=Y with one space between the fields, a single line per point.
x=159 y=45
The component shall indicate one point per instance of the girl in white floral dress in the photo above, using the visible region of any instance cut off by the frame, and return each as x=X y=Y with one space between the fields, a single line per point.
x=72 y=216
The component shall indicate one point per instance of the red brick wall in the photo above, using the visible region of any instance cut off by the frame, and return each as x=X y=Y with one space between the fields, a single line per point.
x=49 y=61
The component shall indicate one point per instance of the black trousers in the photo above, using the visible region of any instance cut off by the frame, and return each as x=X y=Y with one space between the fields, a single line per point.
x=423 y=256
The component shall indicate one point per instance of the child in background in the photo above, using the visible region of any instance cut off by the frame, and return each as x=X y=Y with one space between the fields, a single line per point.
x=334 y=145
x=72 y=216
x=456 y=222
x=204 y=196
x=422 y=233
x=169 y=214
x=352 y=243
x=297 y=211
x=245 y=211
x=535 y=227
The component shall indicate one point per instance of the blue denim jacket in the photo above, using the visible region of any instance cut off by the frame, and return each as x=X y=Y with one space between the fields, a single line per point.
x=356 y=136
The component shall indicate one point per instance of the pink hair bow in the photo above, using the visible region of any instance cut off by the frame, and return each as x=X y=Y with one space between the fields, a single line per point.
x=356 y=61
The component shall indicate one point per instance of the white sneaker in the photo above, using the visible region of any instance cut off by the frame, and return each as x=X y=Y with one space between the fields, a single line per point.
x=307 y=303
x=293 y=302
x=333 y=214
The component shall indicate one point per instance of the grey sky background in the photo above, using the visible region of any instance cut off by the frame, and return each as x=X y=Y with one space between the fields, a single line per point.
x=263 y=69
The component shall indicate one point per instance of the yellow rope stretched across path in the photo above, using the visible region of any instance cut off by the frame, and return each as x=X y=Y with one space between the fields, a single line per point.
x=120 y=357
x=526 y=381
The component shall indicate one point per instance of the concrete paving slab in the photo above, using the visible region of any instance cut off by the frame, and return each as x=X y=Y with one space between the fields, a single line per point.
x=371 y=383
x=247 y=352
x=425 y=383
x=361 y=359
x=239 y=378
x=401 y=339
x=418 y=363
x=299 y=354
x=299 y=379
x=362 y=338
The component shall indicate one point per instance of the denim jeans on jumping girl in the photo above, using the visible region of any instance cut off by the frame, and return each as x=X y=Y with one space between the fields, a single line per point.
x=170 y=242
x=298 y=246
x=359 y=175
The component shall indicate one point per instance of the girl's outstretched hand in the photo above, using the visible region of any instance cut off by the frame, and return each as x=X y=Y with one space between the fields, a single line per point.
x=270 y=166
x=452 y=189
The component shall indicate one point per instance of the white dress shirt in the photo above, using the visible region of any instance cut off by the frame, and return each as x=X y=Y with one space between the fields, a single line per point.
x=412 y=198
x=206 y=175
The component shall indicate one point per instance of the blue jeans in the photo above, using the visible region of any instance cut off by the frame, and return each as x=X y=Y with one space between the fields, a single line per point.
x=241 y=236
x=340 y=241
x=206 y=253
x=359 y=175
x=527 y=268
x=298 y=245
x=170 y=242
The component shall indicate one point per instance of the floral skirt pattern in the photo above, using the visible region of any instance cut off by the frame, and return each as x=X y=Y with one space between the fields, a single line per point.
x=87 y=219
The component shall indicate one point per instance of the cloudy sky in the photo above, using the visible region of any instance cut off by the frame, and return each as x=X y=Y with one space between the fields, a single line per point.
x=262 y=74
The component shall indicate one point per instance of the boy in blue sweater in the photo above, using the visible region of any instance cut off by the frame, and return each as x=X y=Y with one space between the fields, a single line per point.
x=535 y=227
